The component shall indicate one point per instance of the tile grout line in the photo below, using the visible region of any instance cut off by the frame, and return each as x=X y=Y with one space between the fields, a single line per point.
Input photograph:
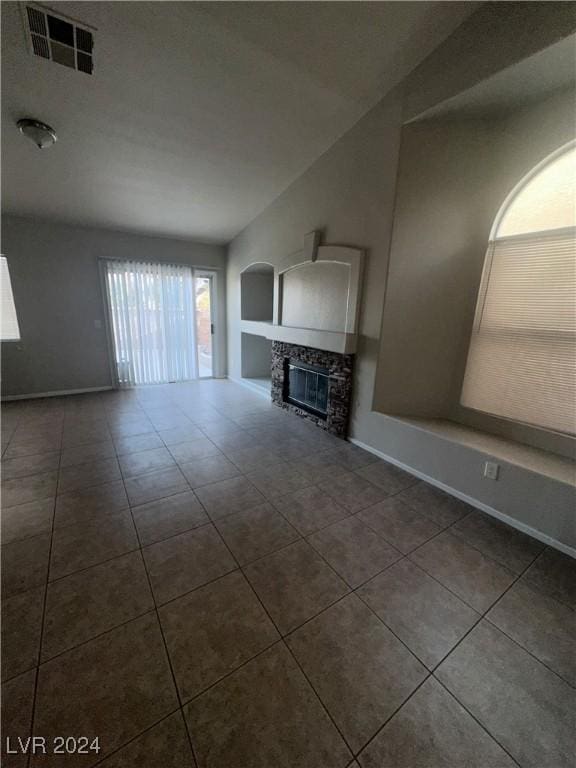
x=271 y=501
x=161 y=630
x=528 y=651
x=432 y=671
x=545 y=594
x=134 y=738
x=476 y=720
x=393 y=631
x=225 y=676
x=324 y=707
x=483 y=614
x=473 y=546
x=429 y=675
x=394 y=713
x=120 y=479
x=149 y=610
x=43 y=618
x=301 y=536
x=88 y=640
x=94 y=565
x=406 y=556
x=437 y=580
x=463 y=539
x=282 y=640
x=482 y=617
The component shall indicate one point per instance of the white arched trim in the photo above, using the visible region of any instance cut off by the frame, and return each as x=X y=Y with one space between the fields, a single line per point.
x=253 y=267
x=512 y=195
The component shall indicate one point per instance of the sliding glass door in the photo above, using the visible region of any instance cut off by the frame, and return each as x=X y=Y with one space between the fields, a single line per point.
x=154 y=311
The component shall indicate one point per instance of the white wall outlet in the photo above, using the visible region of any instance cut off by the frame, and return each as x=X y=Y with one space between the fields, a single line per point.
x=97 y=323
x=491 y=470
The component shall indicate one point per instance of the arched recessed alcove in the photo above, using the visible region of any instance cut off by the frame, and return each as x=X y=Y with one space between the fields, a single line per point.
x=521 y=358
x=315 y=295
x=256 y=304
x=257 y=292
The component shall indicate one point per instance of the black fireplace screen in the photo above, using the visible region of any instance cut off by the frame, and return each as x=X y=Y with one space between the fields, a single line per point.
x=307 y=387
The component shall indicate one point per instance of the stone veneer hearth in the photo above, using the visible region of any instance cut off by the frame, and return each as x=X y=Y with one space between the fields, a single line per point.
x=339 y=388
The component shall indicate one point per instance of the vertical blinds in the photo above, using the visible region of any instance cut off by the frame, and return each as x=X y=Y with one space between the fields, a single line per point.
x=9 y=330
x=522 y=357
x=153 y=322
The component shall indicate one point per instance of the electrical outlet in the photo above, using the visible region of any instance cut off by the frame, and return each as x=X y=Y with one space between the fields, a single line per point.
x=97 y=323
x=491 y=470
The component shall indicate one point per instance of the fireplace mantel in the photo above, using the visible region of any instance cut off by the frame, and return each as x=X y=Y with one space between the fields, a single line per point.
x=331 y=341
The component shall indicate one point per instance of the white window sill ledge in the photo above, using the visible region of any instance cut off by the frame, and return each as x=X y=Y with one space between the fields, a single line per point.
x=533 y=459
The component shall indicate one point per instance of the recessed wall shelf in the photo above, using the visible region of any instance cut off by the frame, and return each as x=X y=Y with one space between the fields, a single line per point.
x=257 y=292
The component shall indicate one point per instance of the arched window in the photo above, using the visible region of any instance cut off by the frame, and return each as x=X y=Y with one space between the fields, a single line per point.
x=522 y=357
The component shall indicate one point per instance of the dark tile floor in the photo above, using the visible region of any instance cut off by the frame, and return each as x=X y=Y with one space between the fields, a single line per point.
x=197 y=578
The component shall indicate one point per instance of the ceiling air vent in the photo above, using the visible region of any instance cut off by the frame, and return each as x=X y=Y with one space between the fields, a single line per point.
x=58 y=38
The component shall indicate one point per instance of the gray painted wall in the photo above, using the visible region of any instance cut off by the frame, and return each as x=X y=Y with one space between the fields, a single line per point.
x=258 y=296
x=54 y=270
x=349 y=194
x=439 y=240
x=256 y=356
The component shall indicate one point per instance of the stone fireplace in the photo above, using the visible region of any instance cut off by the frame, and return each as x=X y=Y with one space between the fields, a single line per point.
x=313 y=383
x=303 y=312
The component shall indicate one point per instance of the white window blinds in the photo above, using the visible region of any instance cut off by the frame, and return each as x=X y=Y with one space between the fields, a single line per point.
x=9 y=330
x=522 y=357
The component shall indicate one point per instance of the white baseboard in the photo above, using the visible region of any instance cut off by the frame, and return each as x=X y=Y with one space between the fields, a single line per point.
x=511 y=521
x=58 y=393
x=252 y=387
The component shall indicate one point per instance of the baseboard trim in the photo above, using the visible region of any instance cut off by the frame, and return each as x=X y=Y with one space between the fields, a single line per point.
x=511 y=521
x=252 y=387
x=57 y=393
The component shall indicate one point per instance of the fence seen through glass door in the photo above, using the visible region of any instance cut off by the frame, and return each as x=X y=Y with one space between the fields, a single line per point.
x=204 y=324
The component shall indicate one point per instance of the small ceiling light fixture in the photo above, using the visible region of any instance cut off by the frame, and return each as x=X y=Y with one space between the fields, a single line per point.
x=40 y=133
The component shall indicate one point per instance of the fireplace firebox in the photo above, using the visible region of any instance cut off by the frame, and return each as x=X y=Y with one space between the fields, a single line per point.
x=306 y=386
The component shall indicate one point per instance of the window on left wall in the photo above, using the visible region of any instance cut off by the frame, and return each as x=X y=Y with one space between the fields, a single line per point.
x=9 y=328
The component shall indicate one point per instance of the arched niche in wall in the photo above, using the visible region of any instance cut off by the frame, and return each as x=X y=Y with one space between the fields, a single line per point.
x=319 y=289
x=257 y=292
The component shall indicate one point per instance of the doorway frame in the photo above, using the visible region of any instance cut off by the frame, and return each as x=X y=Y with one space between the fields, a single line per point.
x=212 y=276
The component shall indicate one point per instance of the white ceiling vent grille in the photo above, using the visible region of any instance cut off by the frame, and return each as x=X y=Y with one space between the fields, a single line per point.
x=57 y=38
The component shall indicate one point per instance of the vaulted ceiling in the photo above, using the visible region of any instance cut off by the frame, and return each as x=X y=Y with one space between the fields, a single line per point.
x=199 y=114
